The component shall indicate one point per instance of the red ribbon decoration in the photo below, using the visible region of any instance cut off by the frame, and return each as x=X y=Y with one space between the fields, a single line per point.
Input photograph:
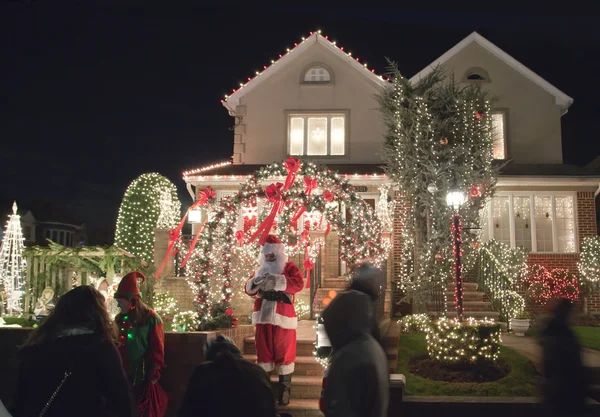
x=328 y=195
x=311 y=184
x=239 y=236
x=175 y=234
x=273 y=193
x=193 y=244
x=293 y=166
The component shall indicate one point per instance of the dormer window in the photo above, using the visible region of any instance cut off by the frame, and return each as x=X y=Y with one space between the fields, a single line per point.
x=476 y=74
x=317 y=73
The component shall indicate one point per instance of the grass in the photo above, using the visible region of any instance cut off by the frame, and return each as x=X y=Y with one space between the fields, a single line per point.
x=589 y=337
x=522 y=381
x=19 y=320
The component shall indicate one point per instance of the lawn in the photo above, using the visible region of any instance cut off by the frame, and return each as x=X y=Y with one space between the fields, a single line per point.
x=522 y=381
x=19 y=320
x=589 y=337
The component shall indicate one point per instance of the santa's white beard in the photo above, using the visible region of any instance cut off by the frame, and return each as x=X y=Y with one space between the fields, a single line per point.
x=270 y=267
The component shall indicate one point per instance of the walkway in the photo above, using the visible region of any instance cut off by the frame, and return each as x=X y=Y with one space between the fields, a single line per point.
x=528 y=347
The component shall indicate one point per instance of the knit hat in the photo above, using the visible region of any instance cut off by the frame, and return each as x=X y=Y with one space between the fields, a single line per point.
x=128 y=287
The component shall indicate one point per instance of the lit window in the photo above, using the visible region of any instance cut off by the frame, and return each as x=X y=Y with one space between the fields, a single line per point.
x=499 y=134
x=540 y=223
x=317 y=135
x=317 y=75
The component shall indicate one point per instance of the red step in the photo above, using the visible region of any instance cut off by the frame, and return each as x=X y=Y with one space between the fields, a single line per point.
x=303 y=387
x=305 y=365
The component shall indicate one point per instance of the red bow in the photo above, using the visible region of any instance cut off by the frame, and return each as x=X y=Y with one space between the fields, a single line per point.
x=293 y=166
x=273 y=193
x=328 y=195
x=239 y=236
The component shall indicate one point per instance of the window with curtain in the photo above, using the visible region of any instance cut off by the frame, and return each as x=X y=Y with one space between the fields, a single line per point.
x=540 y=222
x=317 y=134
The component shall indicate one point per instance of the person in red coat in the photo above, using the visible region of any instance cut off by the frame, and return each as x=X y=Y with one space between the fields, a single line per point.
x=142 y=346
x=274 y=284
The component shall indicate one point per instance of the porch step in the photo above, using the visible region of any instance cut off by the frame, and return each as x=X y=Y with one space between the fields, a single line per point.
x=472 y=305
x=303 y=387
x=301 y=408
x=305 y=365
x=467 y=287
x=303 y=347
x=467 y=296
x=339 y=283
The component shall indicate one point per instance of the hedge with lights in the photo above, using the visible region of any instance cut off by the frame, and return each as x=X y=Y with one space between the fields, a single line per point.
x=471 y=342
x=439 y=136
x=166 y=307
x=589 y=264
x=315 y=190
x=185 y=321
x=149 y=203
x=545 y=285
x=415 y=323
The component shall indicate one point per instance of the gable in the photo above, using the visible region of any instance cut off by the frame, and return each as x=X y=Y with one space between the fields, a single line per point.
x=561 y=99
x=290 y=57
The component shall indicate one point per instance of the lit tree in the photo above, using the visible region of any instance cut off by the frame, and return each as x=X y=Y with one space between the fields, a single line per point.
x=439 y=136
x=12 y=264
x=150 y=202
x=589 y=267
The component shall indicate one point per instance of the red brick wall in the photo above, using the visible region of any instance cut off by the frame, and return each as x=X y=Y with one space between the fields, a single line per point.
x=586 y=215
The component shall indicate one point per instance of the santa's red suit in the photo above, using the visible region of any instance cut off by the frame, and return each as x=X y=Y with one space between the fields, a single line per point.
x=274 y=284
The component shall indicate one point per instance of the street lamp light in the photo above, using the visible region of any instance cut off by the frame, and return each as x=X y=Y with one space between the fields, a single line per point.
x=455 y=199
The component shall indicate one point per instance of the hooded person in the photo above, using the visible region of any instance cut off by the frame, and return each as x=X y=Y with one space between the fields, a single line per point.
x=356 y=383
x=141 y=338
x=273 y=284
x=370 y=280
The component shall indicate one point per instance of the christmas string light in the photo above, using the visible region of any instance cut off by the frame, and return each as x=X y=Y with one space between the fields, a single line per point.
x=452 y=342
x=206 y=168
x=313 y=35
x=415 y=323
x=545 y=285
x=12 y=264
x=589 y=264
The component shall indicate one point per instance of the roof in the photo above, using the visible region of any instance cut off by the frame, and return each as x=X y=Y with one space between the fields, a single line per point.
x=247 y=170
x=594 y=166
x=561 y=99
x=546 y=170
x=231 y=101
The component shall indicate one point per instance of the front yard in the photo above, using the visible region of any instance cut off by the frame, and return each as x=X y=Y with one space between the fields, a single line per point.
x=521 y=381
x=589 y=336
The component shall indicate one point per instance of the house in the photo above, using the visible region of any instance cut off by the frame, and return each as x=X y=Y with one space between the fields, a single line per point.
x=43 y=220
x=318 y=101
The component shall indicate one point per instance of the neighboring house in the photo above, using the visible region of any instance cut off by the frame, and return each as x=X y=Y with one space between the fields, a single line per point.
x=317 y=101
x=43 y=220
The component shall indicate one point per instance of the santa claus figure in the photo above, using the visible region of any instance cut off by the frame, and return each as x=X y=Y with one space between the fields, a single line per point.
x=274 y=284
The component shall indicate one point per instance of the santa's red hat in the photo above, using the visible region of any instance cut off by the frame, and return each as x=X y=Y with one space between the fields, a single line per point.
x=273 y=245
x=128 y=287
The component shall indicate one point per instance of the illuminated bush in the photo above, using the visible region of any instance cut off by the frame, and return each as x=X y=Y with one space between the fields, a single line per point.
x=557 y=283
x=185 y=321
x=415 y=323
x=471 y=342
x=166 y=307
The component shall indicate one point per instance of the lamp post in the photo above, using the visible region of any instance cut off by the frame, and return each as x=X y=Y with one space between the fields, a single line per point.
x=455 y=199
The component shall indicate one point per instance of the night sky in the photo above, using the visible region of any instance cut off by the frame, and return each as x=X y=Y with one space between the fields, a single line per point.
x=93 y=97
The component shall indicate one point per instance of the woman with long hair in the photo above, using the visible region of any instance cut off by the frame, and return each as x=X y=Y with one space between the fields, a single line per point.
x=142 y=346
x=70 y=365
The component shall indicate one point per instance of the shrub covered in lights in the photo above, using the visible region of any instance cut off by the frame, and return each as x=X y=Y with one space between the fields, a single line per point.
x=220 y=317
x=468 y=343
x=149 y=203
x=415 y=323
x=589 y=266
x=185 y=321
x=166 y=307
x=545 y=285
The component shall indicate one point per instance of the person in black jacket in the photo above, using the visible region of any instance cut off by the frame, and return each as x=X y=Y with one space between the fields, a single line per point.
x=227 y=385
x=565 y=385
x=77 y=339
x=371 y=281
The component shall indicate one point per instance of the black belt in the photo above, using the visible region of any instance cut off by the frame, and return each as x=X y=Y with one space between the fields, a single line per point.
x=275 y=296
